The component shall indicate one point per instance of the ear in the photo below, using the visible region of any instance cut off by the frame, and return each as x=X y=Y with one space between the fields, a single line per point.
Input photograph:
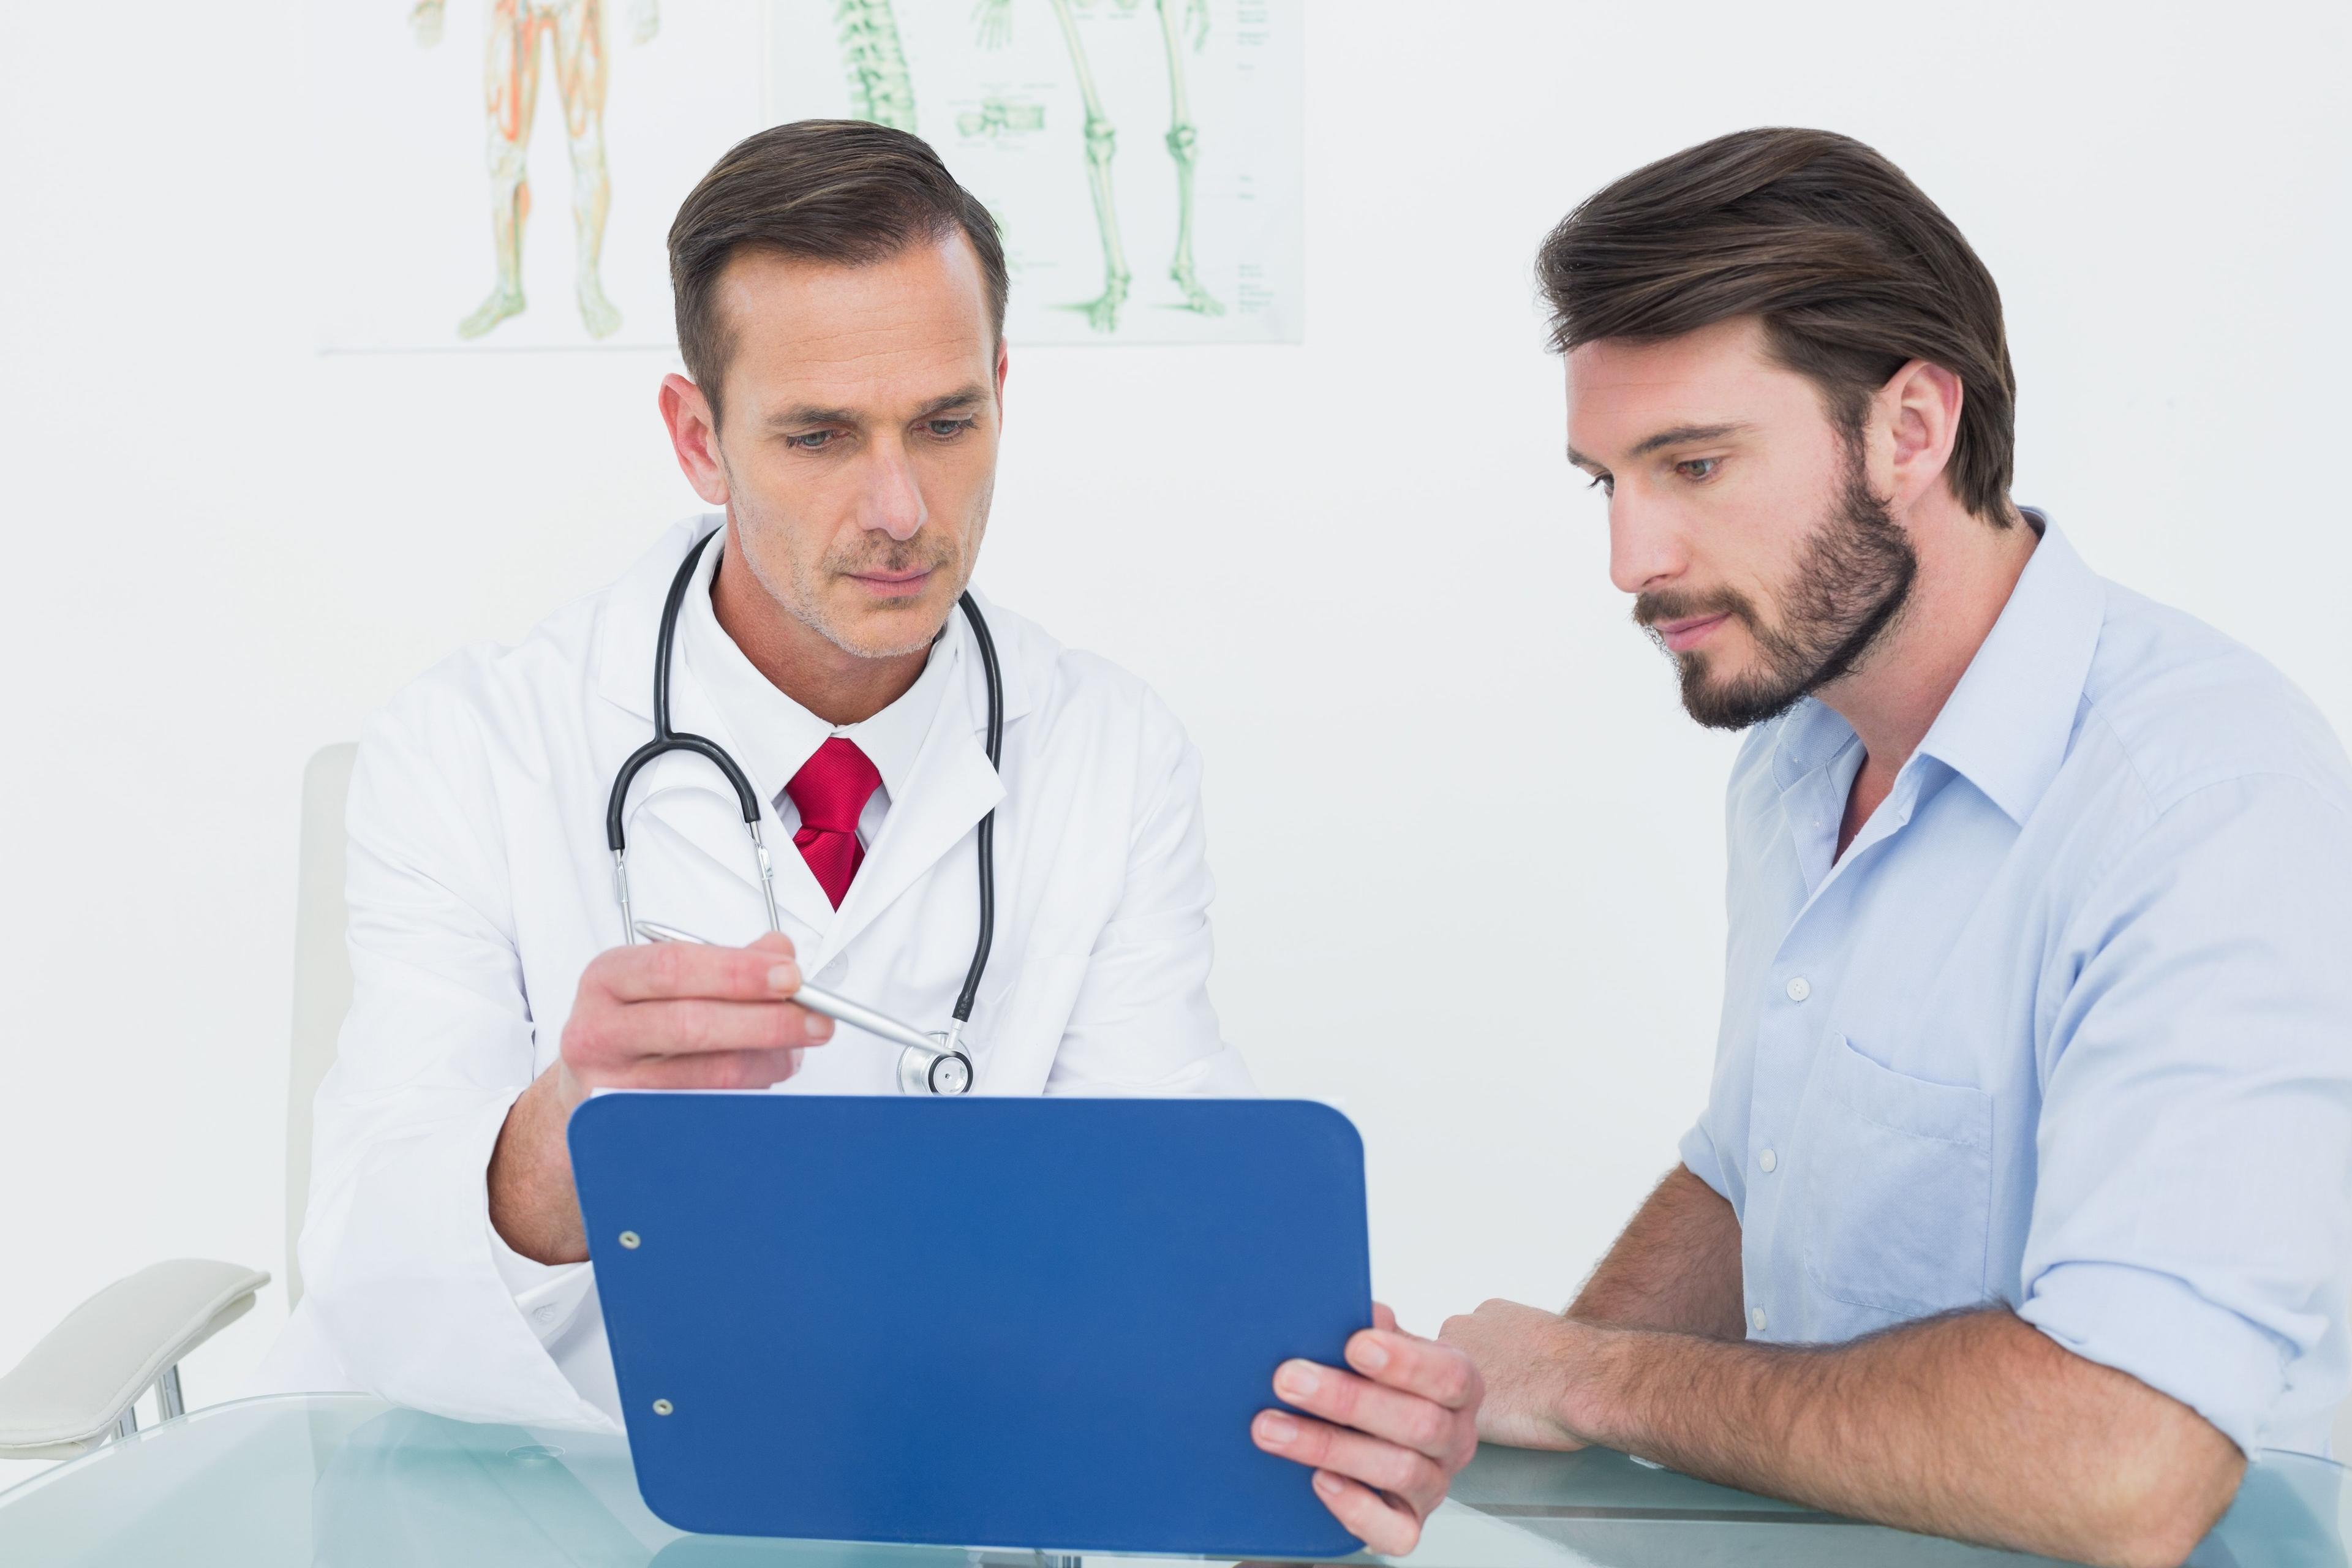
x=1003 y=364
x=694 y=436
x=1921 y=405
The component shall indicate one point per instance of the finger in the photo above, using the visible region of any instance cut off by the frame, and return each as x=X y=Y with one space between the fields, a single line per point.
x=1385 y=1528
x=1413 y=1477
x=711 y=1069
x=1383 y=1317
x=694 y=1025
x=665 y=969
x=1389 y=1413
x=1435 y=1372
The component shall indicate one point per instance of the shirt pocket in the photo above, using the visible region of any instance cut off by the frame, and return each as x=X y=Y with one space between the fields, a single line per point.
x=1898 y=1186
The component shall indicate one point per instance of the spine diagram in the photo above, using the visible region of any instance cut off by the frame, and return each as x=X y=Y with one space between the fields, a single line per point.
x=880 y=87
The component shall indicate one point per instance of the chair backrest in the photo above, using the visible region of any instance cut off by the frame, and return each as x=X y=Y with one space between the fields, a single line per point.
x=322 y=976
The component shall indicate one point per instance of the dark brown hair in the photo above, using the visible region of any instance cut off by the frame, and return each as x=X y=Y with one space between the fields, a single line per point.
x=1853 y=271
x=842 y=191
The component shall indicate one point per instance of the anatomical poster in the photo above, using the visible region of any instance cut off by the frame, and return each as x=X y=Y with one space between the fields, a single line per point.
x=502 y=173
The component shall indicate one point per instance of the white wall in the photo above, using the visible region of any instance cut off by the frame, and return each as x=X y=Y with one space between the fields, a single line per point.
x=1470 y=848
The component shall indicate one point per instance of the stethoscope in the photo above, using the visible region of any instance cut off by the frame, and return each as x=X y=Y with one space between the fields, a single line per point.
x=931 y=1063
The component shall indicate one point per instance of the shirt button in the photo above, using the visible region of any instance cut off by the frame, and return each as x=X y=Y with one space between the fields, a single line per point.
x=1799 y=988
x=545 y=1314
x=1755 y=1318
x=1768 y=1161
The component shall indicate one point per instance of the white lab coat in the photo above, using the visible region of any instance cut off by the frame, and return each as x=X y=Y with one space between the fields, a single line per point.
x=480 y=884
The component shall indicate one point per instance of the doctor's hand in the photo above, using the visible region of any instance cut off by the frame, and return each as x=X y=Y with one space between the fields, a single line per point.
x=1394 y=1431
x=667 y=1015
x=684 y=1015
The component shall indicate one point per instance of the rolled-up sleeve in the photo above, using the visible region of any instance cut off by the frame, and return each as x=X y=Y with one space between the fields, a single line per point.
x=2195 y=1142
x=1699 y=1158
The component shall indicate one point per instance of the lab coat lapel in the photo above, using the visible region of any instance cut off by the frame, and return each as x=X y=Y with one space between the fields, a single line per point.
x=631 y=622
x=950 y=788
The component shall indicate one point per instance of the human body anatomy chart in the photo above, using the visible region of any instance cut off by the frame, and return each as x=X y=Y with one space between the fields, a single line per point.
x=502 y=173
x=1142 y=156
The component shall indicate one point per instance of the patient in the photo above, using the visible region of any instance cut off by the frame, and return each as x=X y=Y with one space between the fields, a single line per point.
x=2021 y=1206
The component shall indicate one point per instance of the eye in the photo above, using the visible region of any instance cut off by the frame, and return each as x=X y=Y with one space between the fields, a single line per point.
x=1698 y=468
x=812 y=440
x=948 y=429
x=1604 y=483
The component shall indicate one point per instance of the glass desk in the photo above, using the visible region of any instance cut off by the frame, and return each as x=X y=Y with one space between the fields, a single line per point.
x=346 y=1481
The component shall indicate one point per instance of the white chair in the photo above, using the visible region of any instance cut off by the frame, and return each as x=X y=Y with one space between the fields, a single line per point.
x=80 y=1385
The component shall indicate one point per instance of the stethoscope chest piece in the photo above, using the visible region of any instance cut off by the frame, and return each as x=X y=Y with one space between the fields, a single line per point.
x=946 y=1073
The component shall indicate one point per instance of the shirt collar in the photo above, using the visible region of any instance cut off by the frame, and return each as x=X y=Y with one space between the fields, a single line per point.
x=2007 y=725
x=775 y=735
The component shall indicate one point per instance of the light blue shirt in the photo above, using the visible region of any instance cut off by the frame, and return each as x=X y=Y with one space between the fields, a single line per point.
x=2069 y=1027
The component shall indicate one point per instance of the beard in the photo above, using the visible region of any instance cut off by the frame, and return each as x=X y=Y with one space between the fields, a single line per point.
x=1851 y=584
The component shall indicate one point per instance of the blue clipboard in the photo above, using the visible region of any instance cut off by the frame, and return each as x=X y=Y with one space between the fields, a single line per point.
x=1029 y=1323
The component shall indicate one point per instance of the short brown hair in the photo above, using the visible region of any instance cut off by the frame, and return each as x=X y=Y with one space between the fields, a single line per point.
x=1852 y=269
x=842 y=191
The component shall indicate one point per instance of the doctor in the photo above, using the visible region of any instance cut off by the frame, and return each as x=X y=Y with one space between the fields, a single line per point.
x=840 y=310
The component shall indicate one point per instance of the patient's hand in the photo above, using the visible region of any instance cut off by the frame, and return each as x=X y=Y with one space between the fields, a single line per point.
x=1527 y=1357
x=1393 y=1433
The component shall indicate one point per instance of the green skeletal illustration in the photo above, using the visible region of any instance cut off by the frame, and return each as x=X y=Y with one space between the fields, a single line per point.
x=1001 y=117
x=879 y=88
x=994 y=21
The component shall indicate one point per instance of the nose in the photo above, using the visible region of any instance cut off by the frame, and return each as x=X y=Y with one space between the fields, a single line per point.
x=893 y=502
x=1646 y=549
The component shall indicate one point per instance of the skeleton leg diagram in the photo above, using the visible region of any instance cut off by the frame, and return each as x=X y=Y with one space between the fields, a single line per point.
x=1182 y=139
x=993 y=19
x=1102 y=144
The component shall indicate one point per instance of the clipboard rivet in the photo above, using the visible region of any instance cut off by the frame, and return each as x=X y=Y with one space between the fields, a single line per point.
x=663 y=1407
x=630 y=1239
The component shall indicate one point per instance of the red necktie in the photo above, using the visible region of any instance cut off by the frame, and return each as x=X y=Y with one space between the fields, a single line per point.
x=831 y=790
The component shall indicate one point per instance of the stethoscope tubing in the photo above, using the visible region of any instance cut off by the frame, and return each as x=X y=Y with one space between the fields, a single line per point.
x=936 y=1047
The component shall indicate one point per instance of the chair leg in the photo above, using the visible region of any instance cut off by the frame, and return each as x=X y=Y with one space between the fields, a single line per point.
x=168 y=1403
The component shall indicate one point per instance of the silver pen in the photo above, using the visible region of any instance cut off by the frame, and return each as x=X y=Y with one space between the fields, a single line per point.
x=817 y=1000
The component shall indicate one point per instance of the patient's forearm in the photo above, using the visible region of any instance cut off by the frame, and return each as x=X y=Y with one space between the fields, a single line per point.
x=1674 y=1268
x=533 y=1204
x=1976 y=1426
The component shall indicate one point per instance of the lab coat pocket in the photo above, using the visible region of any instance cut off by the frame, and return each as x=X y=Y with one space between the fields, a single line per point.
x=1897 y=1178
x=1015 y=1033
